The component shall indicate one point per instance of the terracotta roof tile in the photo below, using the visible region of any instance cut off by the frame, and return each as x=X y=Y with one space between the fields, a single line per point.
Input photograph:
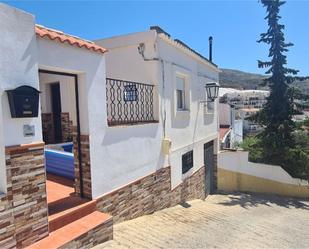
x=56 y=35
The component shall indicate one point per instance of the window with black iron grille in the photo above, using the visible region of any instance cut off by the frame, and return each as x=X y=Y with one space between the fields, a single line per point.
x=187 y=161
x=129 y=102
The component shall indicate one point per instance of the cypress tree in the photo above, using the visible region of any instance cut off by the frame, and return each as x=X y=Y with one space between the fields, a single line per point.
x=276 y=116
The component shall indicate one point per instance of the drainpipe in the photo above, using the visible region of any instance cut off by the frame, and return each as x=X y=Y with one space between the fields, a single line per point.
x=141 y=50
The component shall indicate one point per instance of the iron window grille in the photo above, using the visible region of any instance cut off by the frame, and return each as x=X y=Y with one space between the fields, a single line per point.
x=187 y=161
x=129 y=102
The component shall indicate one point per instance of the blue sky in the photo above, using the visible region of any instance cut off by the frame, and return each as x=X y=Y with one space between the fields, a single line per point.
x=235 y=25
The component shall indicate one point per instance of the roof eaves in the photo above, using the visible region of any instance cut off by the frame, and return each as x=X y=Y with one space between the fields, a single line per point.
x=194 y=51
x=159 y=30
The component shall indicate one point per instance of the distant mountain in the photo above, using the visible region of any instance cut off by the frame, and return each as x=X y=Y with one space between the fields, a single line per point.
x=243 y=80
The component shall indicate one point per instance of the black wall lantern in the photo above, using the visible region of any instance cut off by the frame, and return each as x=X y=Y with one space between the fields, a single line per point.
x=24 y=102
x=212 y=90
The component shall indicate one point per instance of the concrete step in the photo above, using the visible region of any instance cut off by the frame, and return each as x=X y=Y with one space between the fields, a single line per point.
x=72 y=214
x=86 y=232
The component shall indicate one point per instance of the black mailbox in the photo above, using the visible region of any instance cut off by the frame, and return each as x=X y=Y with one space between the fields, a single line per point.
x=24 y=102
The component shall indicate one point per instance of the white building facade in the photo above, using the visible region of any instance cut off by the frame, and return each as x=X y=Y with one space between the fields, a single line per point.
x=169 y=67
x=144 y=136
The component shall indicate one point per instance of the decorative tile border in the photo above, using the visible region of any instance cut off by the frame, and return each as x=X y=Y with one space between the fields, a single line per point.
x=150 y=194
x=86 y=169
x=23 y=210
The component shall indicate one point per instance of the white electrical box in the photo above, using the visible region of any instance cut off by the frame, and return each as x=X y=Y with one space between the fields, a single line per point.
x=166 y=146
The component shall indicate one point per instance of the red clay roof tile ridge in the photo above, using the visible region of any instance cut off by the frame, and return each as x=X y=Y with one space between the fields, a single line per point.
x=62 y=37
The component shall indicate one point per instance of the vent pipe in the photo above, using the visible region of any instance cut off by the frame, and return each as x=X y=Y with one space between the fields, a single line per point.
x=210 y=48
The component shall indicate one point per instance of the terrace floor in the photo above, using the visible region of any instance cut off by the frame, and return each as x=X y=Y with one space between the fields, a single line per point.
x=61 y=197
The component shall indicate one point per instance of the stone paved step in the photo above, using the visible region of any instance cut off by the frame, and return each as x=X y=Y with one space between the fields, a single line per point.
x=86 y=232
x=70 y=215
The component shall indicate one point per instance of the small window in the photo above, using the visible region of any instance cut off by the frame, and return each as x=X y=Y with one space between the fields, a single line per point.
x=187 y=161
x=180 y=100
x=180 y=93
x=130 y=93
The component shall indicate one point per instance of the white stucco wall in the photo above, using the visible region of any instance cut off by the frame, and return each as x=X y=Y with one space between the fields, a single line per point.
x=67 y=92
x=126 y=153
x=22 y=54
x=90 y=68
x=237 y=133
x=188 y=130
x=131 y=152
x=237 y=161
x=18 y=66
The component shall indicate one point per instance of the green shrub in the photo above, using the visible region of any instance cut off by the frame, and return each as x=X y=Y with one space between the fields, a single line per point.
x=252 y=145
x=294 y=159
x=297 y=158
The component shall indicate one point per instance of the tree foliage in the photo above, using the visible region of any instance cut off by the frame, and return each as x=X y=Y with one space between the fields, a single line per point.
x=276 y=116
x=278 y=143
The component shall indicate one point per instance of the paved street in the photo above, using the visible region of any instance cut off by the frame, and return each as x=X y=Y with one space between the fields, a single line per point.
x=222 y=221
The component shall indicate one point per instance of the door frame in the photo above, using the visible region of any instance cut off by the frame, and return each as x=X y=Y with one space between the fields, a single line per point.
x=75 y=76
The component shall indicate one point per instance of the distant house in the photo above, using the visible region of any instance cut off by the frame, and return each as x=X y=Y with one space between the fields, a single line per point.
x=231 y=127
x=235 y=107
x=93 y=133
x=244 y=98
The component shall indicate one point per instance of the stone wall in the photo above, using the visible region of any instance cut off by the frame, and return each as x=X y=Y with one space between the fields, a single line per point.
x=7 y=227
x=86 y=173
x=23 y=209
x=150 y=194
x=66 y=127
x=48 y=128
x=191 y=188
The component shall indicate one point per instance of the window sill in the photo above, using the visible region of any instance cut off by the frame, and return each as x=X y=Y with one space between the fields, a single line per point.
x=187 y=174
x=126 y=124
x=183 y=110
x=182 y=115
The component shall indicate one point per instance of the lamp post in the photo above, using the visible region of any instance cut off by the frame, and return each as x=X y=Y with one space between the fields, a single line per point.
x=212 y=90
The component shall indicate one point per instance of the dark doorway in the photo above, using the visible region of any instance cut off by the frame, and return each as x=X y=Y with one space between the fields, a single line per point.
x=56 y=107
x=209 y=167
